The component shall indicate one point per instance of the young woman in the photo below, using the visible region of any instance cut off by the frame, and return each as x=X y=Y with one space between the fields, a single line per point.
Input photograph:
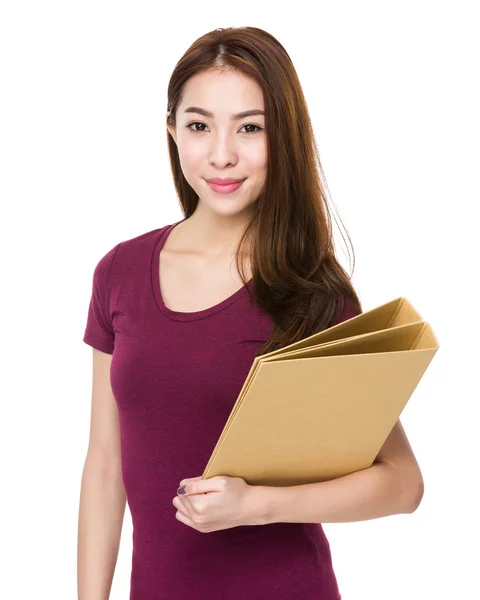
x=177 y=316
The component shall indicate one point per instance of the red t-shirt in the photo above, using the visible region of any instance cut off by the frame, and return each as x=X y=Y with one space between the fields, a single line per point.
x=175 y=377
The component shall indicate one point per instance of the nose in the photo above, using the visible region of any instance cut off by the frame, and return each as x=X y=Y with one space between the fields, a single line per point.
x=223 y=150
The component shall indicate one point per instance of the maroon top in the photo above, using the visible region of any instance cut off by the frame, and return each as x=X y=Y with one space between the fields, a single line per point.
x=175 y=377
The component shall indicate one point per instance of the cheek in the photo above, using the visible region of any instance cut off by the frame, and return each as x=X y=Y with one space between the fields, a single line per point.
x=190 y=153
x=257 y=156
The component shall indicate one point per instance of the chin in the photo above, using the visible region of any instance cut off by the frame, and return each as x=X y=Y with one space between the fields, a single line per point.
x=227 y=208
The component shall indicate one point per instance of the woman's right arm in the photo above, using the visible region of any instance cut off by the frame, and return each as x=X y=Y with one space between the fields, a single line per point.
x=102 y=495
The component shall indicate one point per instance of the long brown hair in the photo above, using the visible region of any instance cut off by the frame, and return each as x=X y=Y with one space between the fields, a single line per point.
x=296 y=277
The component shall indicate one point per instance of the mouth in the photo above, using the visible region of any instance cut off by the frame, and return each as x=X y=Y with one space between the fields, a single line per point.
x=225 y=188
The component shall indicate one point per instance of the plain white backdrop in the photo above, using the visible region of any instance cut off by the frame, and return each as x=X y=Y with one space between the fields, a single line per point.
x=392 y=90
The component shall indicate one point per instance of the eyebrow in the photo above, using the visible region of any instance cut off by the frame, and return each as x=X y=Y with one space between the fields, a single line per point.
x=236 y=117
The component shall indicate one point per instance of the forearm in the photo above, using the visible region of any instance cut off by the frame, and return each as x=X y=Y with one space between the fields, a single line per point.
x=102 y=508
x=378 y=491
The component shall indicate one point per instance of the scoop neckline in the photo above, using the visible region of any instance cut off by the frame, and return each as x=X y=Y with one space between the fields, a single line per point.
x=176 y=315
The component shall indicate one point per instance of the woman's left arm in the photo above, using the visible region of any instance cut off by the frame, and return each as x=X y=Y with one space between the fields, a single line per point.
x=392 y=485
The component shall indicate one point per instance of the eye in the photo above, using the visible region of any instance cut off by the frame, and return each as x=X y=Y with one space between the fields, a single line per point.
x=252 y=125
x=190 y=126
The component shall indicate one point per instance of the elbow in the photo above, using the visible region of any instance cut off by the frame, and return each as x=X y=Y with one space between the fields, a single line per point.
x=416 y=497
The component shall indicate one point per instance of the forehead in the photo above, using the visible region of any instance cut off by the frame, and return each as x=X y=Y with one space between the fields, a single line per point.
x=222 y=92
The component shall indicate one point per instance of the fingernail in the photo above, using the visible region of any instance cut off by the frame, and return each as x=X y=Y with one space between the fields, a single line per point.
x=181 y=490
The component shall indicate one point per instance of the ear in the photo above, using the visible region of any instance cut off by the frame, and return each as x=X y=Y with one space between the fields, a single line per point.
x=172 y=130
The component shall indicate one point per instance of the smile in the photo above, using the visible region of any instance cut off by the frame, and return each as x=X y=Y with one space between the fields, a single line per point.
x=225 y=189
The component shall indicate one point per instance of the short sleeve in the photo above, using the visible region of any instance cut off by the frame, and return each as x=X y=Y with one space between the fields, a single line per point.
x=99 y=330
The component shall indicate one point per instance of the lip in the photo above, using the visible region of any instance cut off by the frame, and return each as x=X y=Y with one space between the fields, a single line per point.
x=224 y=188
x=223 y=180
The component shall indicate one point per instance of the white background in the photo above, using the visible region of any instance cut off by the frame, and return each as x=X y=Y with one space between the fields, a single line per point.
x=392 y=89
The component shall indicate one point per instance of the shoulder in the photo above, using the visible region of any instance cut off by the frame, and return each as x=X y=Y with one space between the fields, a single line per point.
x=144 y=237
x=124 y=252
x=130 y=247
x=104 y=264
x=143 y=240
x=347 y=309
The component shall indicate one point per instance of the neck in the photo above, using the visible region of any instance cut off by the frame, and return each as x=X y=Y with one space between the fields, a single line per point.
x=212 y=234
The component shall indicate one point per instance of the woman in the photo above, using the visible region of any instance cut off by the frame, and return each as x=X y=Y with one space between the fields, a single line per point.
x=177 y=316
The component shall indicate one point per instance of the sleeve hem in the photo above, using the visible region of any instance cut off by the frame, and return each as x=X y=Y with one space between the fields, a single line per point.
x=98 y=343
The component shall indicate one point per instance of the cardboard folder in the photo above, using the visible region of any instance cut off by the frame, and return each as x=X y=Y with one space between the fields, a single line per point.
x=322 y=407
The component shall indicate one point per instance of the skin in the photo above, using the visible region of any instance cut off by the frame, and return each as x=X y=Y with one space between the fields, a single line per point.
x=220 y=147
x=223 y=148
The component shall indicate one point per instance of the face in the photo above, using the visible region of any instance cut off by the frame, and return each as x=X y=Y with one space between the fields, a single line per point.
x=220 y=146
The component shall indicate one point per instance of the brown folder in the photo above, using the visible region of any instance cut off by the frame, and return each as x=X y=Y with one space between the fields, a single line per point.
x=322 y=407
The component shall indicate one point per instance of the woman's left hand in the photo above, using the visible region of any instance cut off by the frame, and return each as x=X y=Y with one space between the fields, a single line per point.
x=217 y=503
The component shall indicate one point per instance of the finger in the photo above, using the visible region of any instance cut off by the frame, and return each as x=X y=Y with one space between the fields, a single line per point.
x=187 y=479
x=203 y=486
x=177 y=503
x=184 y=519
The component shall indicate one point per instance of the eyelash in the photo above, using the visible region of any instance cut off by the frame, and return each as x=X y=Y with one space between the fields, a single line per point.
x=189 y=126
